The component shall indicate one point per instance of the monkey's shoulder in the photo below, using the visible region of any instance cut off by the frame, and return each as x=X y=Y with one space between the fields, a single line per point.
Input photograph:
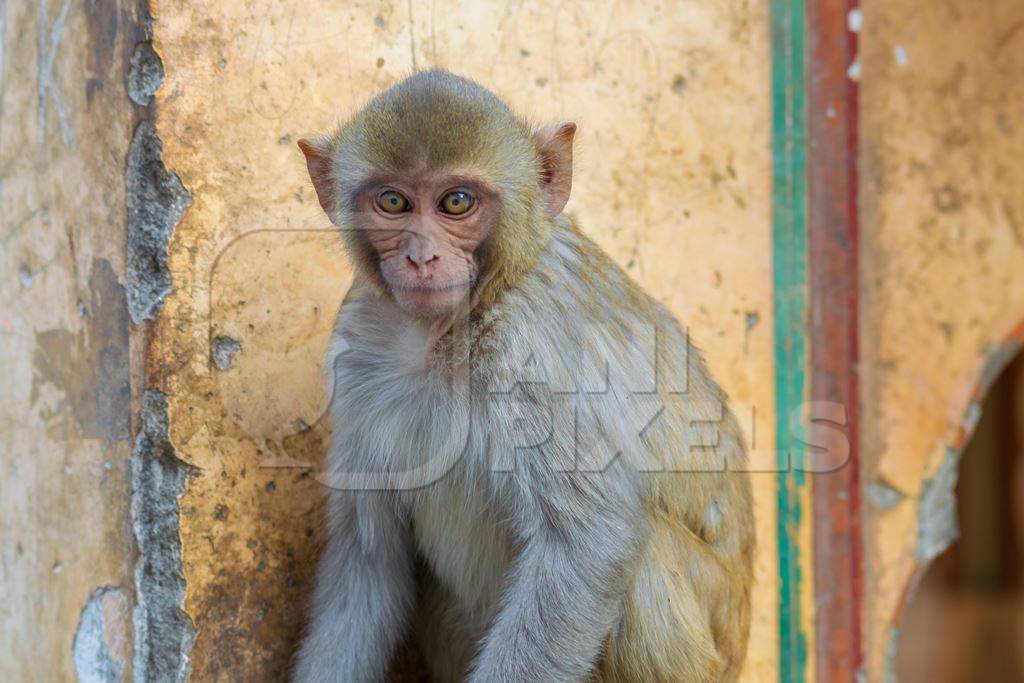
x=577 y=300
x=581 y=322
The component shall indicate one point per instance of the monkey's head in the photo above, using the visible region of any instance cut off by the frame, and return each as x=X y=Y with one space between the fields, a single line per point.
x=443 y=195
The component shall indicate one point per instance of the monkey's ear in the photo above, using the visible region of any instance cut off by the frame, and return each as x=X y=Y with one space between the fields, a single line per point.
x=554 y=145
x=318 y=161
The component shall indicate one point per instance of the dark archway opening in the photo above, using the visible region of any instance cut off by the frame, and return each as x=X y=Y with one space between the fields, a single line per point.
x=965 y=622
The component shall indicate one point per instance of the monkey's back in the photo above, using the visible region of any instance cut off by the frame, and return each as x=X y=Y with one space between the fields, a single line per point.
x=686 y=616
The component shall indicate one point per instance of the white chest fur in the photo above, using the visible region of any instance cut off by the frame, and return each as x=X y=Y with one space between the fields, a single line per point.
x=461 y=536
x=418 y=418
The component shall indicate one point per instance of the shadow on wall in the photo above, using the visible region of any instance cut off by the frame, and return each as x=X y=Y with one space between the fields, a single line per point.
x=965 y=622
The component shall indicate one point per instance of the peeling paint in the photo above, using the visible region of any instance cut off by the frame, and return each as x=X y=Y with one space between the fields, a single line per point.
x=156 y=202
x=853 y=72
x=855 y=20
x=163 y=633
x=937 y=523
x=899 y=53
x=224 y=350
x=884 y=495
x=100 y=647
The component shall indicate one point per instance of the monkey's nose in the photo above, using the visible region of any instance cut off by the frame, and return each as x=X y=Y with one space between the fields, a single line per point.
x=421 y=261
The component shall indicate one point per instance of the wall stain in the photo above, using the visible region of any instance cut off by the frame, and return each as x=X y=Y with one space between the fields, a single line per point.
x=947 y=199
x=91 y=367
x=101 y=23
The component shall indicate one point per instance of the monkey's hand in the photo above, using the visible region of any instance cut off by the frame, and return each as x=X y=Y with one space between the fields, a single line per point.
x=579 y=534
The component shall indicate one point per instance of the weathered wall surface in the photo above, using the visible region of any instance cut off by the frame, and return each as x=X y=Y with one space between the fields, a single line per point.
x=943 y=256
x=65 y=542
x=216 y=510
x=674 y=180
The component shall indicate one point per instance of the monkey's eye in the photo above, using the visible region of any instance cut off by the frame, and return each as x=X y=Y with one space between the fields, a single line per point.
x=392 y=202
x=456 y=203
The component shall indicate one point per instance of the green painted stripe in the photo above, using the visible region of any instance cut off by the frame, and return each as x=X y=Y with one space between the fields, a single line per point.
x=789 y=269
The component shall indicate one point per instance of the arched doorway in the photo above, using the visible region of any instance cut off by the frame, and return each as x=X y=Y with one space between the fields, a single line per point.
x=965 y=621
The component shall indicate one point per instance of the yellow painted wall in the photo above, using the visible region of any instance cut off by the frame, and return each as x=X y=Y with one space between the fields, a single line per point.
x=943 y=257
x=673 y=179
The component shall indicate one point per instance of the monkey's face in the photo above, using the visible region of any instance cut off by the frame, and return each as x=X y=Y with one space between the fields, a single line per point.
x=427 y=229
x=443 y=195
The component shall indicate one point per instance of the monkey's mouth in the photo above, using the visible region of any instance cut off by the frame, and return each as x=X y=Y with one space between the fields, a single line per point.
x=432 y=289
x=433 y=299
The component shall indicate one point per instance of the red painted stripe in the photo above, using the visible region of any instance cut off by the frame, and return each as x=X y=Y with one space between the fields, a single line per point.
x=833 y=320
x=853 y=333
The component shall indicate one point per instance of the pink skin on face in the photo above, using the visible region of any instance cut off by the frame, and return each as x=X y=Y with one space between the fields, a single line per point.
x=426 y=244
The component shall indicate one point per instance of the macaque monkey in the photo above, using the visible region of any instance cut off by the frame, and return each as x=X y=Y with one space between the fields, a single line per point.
x=531 y=470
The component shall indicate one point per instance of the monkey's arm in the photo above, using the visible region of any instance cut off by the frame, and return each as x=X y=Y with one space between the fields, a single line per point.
x=363 y=595
x=579 y=536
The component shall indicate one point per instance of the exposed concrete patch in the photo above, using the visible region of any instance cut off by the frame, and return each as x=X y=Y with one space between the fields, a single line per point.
x=884 y=495
x=100 y=648
x=224 y=350
x=164 y=633
x=156 y=202
x=145 y=75
x=937 y=525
